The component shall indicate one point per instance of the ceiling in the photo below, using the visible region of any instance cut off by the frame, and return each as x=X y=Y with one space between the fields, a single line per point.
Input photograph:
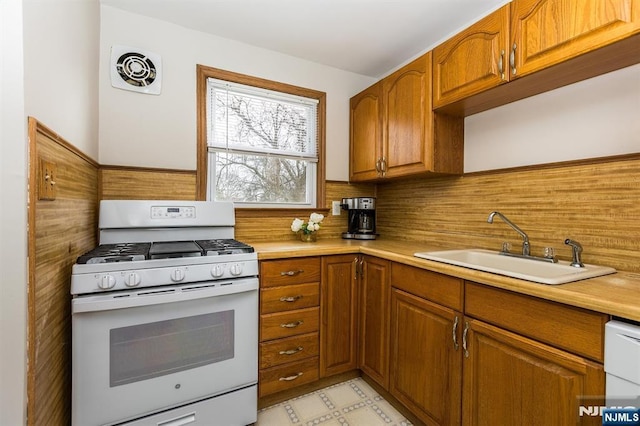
x=367 y=37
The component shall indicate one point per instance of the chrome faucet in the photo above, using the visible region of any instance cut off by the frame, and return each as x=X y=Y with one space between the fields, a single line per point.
x=526 y=248
x=577 y=251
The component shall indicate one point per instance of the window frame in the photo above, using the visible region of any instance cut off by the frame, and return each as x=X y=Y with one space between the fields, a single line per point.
x=205 y=72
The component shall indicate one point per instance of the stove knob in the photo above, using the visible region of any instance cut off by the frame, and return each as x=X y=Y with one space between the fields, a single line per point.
x=177 y=275
x=132 y=279
x=106 y=282
x=236 y=269
x=217 y=271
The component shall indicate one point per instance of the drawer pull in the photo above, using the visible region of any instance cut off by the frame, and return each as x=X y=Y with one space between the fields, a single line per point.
x=291 y=273
x=291 y=351
x=290 y=378
x=291 y=324
x=290 y=298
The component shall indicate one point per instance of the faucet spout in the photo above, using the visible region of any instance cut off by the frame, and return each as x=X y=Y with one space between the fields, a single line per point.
x=526 y=248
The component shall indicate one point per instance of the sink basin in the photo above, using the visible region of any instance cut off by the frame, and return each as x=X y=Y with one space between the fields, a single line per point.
x=525 y=269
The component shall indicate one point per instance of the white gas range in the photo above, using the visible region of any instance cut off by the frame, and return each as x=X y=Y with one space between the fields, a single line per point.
x=165 y=318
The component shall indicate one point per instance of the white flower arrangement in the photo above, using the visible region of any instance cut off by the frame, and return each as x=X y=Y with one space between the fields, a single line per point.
x=299 y=225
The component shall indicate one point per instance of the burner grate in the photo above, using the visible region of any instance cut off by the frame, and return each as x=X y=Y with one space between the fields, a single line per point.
x=128 y=252
x=121 y=252
x=224 y=246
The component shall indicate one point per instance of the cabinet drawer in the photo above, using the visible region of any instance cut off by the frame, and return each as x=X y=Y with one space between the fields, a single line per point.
x=439 y=288
x=287 y=324
x=287 y=376
x=287 y=298
x=574 y=329
x=281 y=351
x=275 y=273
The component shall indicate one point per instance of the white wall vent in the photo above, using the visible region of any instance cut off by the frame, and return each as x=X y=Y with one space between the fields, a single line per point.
x=136 y=70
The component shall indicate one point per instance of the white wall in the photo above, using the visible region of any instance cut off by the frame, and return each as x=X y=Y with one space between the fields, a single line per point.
x=593 y=118
x=48 y=69
x=160 y=131
x=61 y=48
x=13 y=218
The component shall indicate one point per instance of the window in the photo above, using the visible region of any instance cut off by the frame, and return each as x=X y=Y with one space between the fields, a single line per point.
x=263 y=141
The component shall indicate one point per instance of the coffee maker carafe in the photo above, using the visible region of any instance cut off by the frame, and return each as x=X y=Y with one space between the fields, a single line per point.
x=362 y=218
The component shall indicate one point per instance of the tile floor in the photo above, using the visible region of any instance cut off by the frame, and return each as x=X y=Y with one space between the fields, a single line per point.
x=351 y=403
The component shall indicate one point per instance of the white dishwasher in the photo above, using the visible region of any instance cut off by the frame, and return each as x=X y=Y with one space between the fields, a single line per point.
x=622 y=360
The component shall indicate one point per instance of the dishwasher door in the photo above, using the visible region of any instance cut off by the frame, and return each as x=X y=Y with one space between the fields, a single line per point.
x=622 y=360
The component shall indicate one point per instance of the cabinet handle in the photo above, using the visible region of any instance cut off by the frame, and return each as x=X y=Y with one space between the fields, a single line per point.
x=455 y=334
x=378 y=170
x=501 y=65
x=512 y=59
x=290 y=378
x=291 y=351
x=291 y=298
x=464 y=339
x=291 y=324
x=383 y=165
x=291 y=273
x=355 y=267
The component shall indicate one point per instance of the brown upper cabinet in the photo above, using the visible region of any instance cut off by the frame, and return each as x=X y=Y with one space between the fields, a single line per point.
x=528 y=36
x=547 y=32
x=472 y=60
x=366 y=134
x=393 y=128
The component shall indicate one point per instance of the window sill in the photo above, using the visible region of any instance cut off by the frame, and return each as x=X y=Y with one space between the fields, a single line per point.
x=257 y=212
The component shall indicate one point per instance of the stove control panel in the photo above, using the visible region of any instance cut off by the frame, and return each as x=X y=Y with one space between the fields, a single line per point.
x=128 y=275
x=173 y=212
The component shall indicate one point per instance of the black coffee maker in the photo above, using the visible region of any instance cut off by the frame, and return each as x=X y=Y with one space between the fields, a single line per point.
x=362 y=218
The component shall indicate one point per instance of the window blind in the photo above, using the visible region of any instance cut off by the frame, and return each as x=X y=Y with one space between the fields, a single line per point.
x=245 y=119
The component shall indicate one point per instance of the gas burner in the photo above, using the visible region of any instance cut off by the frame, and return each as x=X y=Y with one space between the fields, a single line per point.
x=224 y=246
x=111 y=253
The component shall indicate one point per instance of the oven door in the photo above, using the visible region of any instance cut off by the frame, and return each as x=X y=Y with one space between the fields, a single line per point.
x=139 y=352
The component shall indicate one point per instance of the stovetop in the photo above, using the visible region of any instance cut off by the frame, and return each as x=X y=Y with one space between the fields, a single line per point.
x=129 y=252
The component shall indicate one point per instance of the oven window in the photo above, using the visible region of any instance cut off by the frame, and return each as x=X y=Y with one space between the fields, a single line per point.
x=144 y=351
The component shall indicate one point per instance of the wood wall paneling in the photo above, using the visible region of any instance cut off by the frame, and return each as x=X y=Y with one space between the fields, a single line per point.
x=138 y=183
x=274 y=225
x=594 y=202
x=59 y=231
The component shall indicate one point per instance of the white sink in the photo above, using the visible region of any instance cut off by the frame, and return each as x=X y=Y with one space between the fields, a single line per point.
x=525 y=269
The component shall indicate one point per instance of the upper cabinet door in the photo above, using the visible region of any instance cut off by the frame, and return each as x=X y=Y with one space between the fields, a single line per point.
x=474 y=60
x=547 y=32
x=366 y=134
x=407 y=119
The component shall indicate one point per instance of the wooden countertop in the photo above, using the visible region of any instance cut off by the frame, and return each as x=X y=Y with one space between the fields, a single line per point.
x=617 y=294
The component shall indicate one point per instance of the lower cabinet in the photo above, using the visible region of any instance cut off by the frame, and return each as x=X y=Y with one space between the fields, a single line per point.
x=339 y=315
x=529 y=360
x=426 y=350
x=375 y=292
x=452 y=352
x=509 y=359
x=510 y=379
x=289 y=324
x=425 y=358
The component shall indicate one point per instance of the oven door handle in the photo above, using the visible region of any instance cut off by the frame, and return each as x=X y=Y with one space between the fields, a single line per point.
x=159 y=295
